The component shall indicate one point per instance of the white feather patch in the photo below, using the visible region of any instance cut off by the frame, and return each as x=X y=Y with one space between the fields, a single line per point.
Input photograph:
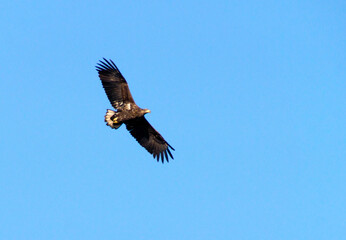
x=128 y=106
x=108 y=116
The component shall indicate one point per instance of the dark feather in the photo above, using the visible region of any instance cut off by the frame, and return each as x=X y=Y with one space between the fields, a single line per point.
x=114 y=83
x=149 y=138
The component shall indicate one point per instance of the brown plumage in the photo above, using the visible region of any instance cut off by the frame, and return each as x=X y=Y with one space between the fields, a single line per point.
x=129 y=113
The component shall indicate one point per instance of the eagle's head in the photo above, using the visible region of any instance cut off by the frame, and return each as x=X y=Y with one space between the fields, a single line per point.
x=145 y=111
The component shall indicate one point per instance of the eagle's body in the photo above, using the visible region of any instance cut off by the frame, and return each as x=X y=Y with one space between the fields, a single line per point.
x=129 y=113
x=123 y=114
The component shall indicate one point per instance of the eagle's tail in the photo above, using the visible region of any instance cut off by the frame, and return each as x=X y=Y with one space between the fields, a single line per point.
x=110 y=119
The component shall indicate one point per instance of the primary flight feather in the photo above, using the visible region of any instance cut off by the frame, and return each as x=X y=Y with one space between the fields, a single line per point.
x=129 y=113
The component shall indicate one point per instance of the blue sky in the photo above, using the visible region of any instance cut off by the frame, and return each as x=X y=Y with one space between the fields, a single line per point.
x=250 y=93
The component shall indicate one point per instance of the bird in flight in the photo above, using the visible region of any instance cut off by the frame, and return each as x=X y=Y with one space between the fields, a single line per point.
x=129 y=113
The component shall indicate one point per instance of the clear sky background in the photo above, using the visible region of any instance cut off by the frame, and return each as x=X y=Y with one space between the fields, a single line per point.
x=250 y=93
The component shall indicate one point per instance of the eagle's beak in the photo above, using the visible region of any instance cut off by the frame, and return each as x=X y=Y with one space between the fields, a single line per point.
x=147 y=111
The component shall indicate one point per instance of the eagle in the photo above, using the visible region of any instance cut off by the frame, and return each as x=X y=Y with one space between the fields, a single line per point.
x=127 y=112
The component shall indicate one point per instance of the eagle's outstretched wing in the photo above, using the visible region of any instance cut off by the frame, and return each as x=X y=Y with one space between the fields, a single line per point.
x=114 y=83
x=149 y=138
